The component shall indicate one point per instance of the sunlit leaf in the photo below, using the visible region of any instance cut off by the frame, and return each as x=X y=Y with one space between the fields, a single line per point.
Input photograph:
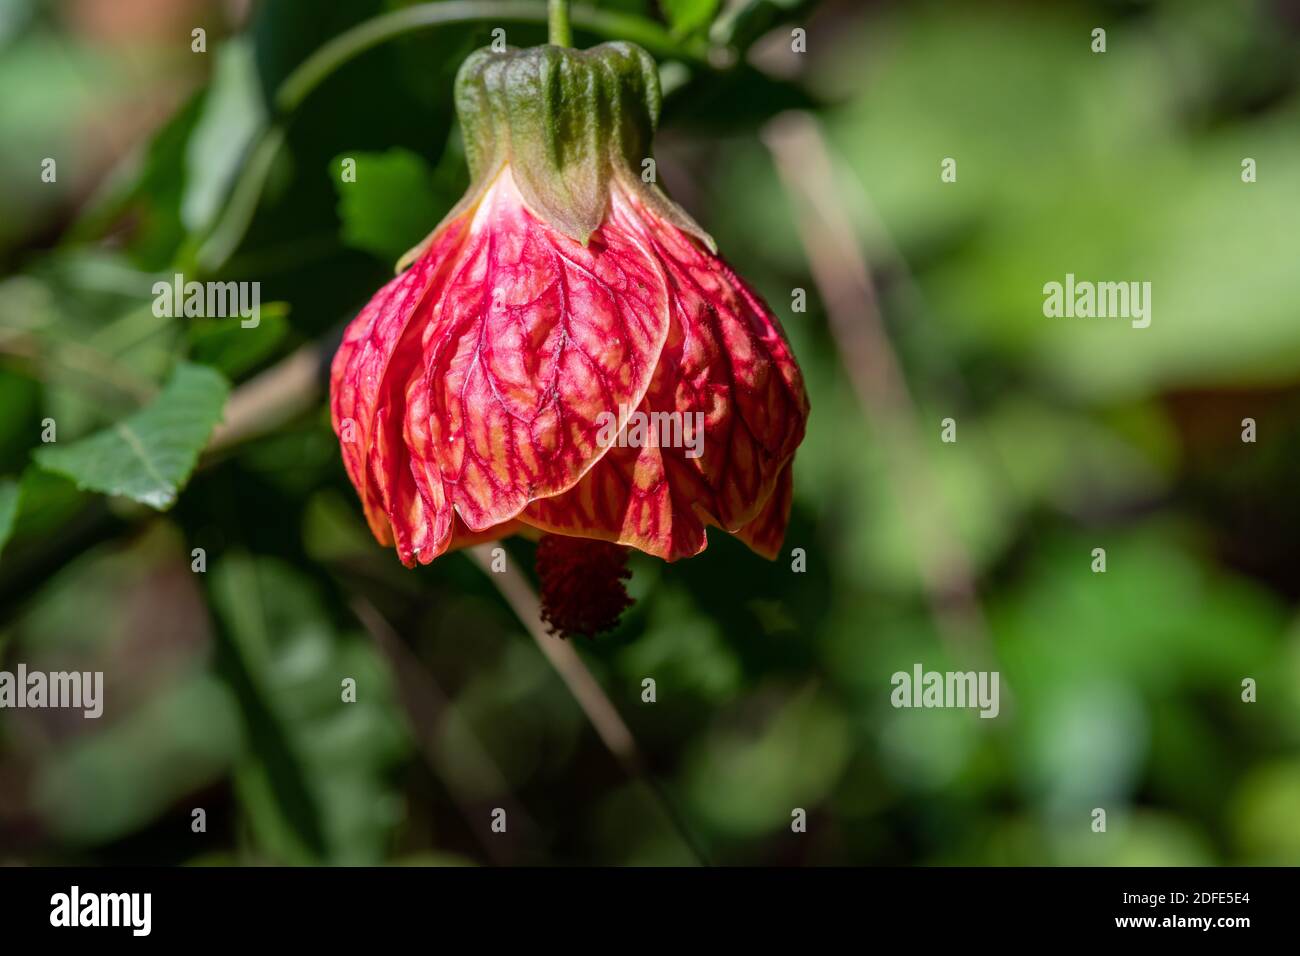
x=687 y=16
x=314 y=783
x=232 y=349
x=390 y=206
x=231 y=118
x=148 y=456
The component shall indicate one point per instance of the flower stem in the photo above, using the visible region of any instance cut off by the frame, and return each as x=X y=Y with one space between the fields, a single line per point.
x=807 y=171
x=220 y=242
x=371 y=33
x=557 y=23
x=518 y=592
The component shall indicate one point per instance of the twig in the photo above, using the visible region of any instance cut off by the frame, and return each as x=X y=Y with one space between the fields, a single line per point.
x=291 y=387
x=600 y=710
x=427 y=707
x=840 y=271
x=590 y=696
x=266 y=401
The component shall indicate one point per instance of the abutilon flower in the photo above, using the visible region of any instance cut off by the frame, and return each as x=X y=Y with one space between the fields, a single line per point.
x=470 y=394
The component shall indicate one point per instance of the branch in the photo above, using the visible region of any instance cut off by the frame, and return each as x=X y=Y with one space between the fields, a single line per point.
x=427 y=709
x=591 y=697
x=265 y=402
x=840 y=271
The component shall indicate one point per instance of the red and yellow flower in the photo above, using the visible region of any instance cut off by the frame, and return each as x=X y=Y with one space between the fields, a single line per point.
x=469 y=394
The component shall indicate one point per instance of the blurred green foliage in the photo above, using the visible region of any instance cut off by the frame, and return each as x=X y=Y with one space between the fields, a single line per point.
x=1122 y=690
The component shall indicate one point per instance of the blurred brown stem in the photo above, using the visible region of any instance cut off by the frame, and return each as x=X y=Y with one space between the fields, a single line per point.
x=428 y=708
x=600 y=710
x=265 y=402
x=840 y=271
x=292 y=387
x=590 y=696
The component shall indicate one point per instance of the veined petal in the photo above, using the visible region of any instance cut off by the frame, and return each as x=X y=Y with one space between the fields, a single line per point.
x=628 y=498
x=360 y=380
x=733 y=365
x=766 y=530
x=726 y=366
x=533 y=339
x=472 y=393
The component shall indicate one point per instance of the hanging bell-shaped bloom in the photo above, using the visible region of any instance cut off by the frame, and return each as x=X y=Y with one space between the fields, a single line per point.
x=566 y=351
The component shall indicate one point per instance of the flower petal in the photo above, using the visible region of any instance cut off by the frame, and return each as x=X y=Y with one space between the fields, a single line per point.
x=360 y=379
x=733 y=364
x=629 y=499
x=766 y=530
x=532 y=340
x=727 y=365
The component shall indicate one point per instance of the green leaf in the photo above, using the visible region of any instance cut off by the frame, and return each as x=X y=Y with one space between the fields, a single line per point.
x=8 y=508
x=316 y=782
x=687 y=16
x=232 y=117
x=391 y=206
x=232 y=349
x=148 y=456
x=102 y=786
x=45 y=501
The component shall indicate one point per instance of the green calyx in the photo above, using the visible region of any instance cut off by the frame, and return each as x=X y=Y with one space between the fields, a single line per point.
x=567 y=122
